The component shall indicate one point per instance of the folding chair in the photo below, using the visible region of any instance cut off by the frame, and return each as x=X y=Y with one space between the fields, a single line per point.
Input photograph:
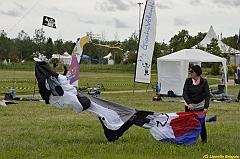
x=220 y=89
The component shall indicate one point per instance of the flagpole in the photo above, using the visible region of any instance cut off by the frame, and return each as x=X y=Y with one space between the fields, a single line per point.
x=139 y=16
x=140 y=28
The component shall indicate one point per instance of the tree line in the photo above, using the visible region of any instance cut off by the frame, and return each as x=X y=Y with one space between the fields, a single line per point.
x=23 y=46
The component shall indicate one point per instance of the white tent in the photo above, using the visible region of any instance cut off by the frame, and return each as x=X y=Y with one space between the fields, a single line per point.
x=108 y=60
x=65 y=58
x=173 y=68
x=210 y=35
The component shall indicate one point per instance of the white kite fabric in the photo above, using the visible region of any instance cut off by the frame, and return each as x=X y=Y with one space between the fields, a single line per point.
x=179 y=128
x=69 y=99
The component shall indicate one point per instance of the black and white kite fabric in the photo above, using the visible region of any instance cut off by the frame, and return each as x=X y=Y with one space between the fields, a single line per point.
x=179 y=128
x=48 y=21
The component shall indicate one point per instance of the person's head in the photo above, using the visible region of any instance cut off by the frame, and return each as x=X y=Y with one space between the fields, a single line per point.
x=195 y=70
x=65 y=67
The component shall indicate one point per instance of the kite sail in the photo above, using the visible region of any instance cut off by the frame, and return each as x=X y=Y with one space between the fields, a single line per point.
x=48 y=21
x=73 y=68
x=179 y=128
x=146 y=43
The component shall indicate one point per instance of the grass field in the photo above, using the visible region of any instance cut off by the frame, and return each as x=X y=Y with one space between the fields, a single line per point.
x=32 y=129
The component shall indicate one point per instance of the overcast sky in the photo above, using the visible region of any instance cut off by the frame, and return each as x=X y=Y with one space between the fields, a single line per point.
x=118 y=19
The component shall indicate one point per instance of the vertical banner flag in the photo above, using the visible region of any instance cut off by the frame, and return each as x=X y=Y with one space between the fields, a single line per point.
x=48 y=21
x=73 y=68
x=146 y=43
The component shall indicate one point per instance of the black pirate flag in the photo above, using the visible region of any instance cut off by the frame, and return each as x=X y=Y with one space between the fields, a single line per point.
x=48 y=21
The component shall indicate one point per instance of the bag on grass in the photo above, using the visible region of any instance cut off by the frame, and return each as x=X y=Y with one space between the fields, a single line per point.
x=157 y=98
x=171 y=93
x=8 y=96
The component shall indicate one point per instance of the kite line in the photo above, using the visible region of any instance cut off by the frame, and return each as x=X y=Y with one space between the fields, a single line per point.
x=24 y=16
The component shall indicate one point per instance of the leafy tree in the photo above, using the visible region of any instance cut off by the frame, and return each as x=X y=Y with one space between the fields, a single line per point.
x=164 y=49
x=5 y=46
x=131 y=44
x=215 y=69
x=130 y=47
x=198 y=38
x=180 y=41
x=48 y=48
x=39 y=39
x=58 y=47
x=91 y=49
x=156 y=52
x=68 y=46
x=213 y=48
x=131 y=58
x=24 y=46
x=232 y=42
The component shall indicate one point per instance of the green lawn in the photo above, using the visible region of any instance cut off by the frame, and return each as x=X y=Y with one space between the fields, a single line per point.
x=36 y=130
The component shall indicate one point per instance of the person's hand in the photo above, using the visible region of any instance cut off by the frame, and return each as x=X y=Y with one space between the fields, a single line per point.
x=190 y=107
x=205 y=110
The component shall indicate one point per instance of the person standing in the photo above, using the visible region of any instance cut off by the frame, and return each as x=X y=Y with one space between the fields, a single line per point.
x=223 y=74
x=55 y=65
x=196 y=95
x=235 y=75
x=238 y=74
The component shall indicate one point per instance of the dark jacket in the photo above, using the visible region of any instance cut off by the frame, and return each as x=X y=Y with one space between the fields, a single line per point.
x=196 y=94
x=65 y=72
x=43 y=72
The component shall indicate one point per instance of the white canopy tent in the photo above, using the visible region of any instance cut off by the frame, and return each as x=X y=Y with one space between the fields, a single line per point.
x=173 y=68
x=223 y=47
x=65 y=58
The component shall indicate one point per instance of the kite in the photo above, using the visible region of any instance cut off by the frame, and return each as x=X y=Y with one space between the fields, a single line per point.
x=179 y=128
x=73 y=68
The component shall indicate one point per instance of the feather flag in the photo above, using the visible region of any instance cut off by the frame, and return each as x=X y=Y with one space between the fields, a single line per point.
x=48 y=21
x=146 y=43
x=73 y=68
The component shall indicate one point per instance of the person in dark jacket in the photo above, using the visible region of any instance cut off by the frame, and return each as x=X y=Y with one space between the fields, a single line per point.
x=196 y=94
x=55 y=65
x=65 y=70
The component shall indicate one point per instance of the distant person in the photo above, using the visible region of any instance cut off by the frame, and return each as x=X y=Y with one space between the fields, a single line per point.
x=55 y=65
x=238 y=75
x=196 y=95
x=223 y=74
x=65 y=70
x=235 y=75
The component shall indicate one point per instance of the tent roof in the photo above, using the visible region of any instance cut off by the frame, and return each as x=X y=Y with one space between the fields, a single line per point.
x=66 y=54
x=108 y=56
x=210 y=35
x=192 y=55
